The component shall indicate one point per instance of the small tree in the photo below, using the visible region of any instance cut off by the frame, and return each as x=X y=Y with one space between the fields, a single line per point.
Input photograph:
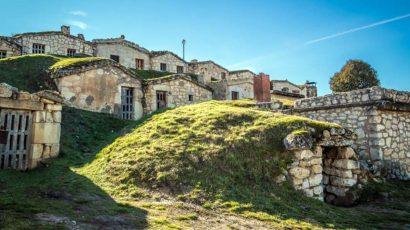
x=355 y=74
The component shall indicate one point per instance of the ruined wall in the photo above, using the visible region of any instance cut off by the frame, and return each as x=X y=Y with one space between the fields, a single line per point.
x=128 y=55
x=178 y=90
x=171 y=61
x=98 y=89
x=207 y=71
x=380 y=117
x=55 y=43
x=243 y=75
x=11 y=49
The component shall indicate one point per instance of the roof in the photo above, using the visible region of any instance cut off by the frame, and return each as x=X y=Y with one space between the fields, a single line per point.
x=286 y=81
x=164 y=52
x=10 y=41
x=173 y=77
x=86 y=66
x=121 y=41
x=51 y=33
x=207 y=62
x=289 y=94
x=241 y=71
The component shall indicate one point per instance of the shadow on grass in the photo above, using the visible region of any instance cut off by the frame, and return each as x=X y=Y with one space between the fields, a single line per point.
x=54 y=195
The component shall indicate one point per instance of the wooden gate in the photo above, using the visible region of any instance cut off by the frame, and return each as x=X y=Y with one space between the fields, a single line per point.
x=127 y=103
x=15 y=134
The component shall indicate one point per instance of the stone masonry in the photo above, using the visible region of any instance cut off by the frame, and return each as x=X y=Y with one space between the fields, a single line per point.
x=380 y=118
x=29 y=127
x=171 y=60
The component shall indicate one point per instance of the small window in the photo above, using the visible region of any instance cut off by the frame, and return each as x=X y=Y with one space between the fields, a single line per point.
x=39 y=48
x=163 y=67
x=139 y=63
x=190 y=97
x=180 y=69
x=115 y=58
x=3 y=54
x=71 y=52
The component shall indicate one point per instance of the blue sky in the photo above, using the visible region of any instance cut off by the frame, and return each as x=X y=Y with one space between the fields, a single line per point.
x=297 y=40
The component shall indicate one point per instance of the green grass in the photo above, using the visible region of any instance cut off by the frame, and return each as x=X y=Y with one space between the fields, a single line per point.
x=73 y=62
x=153 y=74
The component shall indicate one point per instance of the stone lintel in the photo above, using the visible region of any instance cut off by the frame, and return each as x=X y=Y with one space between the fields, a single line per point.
x=21 y=104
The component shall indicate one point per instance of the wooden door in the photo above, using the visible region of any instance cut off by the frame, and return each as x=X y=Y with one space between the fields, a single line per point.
x=15 y=134
x=235 y=95
x=161 y=99
x=127 y=103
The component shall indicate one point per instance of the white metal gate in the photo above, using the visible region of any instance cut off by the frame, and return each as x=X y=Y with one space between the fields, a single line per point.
x=127 y=103
x=15 y=134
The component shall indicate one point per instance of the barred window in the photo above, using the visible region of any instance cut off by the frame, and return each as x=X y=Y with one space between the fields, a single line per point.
x=39 y=48
x=180 y=69
x=71 y=52
x=163 y=67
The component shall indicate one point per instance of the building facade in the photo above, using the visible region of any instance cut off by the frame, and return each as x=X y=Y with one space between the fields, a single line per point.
x=124 y=52
x=175 y=90
x=241 y=74
x=54 y=42
x=208 y=71
x=284 y=89
x=8 y=47
x=166 y=61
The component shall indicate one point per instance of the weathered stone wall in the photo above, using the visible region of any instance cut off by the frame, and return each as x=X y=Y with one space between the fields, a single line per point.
x=241 y=75
x=98 y=88
x=178 y=88
x=207 y=71
x=282 y=96
x=43 y=127
x=127 y=53
x=380 y=117
x=243 y=87
x=55 y=43
x=10 y=48
x=169 y=59
x=280 y=85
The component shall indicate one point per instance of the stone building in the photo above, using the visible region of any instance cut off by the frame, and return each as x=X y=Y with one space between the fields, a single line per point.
x=8 y=48
x=54 y=42
x=241 y=74
x=261 y=88
x=167 y=61
x=232 y=89
x=284 y=89
x=101 y=86
x=30 y=127
x=380 y=118
x=124 y=52
x=208 y=71
x=172 y=91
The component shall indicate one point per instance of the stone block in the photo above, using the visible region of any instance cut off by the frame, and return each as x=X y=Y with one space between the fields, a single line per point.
x=55 y=149
x=299 y=173
x=316 y=169
x=325 y=179
x=308 y=192
x=345 y=153
x=342 y=182
x=6 y=90
x=46 y=152
x=336 y=190
x=303 y=154
x=36 y=151
x=46 y=133
x=315 y=180
x=345 y=164
x=54 y=107
x=338 y=172
x=23 y=96
x=57 y=116
x=39 y=116
x=318 y=190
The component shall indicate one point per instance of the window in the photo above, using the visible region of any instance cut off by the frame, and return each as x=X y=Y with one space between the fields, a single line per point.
x=127 y=103
x=71 y=52
x=161 y=99
x=180 y=69
x=190 y=97
x=39 y=48
x=223 y=76
x=3 y=54
x=139 y=63
x=115 y=58
x=235 y=95
x=163 y=67
x=285 y=89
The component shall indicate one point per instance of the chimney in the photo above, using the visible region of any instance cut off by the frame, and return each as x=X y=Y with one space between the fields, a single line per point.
x=81 y=36
x=65 y=29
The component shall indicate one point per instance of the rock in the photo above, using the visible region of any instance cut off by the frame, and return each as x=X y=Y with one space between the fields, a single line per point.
x=303 y=154
x=330 y=198
x=299 y=173
x=345 y=164
x=348 y=200
x=317 y=190
x=7 y=90
x=345 y=153
x=298 y=142
x=316 y=169
x=280 y=179
x=336 y=190
x=325 y=179
x=308 y=192
x=318 y=151
x=315 y=180
x=326 y=134
x=343 y=182
x=338 y=172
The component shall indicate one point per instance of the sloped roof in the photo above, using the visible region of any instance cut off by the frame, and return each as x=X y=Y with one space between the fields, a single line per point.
x=173 y=77
x=286 y=81
x=208 y=62
x=241 y=71
x=10 y=41
x=121 y=41
x=164 y=52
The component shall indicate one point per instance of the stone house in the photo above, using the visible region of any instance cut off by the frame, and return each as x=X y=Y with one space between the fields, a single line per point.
x=101 y=86
x=8 y=48
x=166 y=61
x=208 y=71
x=126 y=53
x=30 y=127
x=380 y=118
x=54 y=42
x=232 y=89
x=241 y=74
x=284 y=89
x=174 y=90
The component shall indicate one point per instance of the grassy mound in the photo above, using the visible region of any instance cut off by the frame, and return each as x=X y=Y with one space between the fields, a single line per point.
x=73 y=62
x=211 y=145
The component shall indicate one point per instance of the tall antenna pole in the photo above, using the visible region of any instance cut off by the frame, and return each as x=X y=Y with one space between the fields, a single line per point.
x=183 y=48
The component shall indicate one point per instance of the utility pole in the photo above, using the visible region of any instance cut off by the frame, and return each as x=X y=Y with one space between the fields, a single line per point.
x=183 y=48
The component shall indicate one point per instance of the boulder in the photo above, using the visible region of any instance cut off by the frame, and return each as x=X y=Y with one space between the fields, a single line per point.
x=298 y=142
x=299 y=173
x=7 y=90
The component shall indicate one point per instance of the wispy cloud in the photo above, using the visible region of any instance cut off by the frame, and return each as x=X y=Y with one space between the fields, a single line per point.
x=79 y=24
x=78 y=13
x=358 y=29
